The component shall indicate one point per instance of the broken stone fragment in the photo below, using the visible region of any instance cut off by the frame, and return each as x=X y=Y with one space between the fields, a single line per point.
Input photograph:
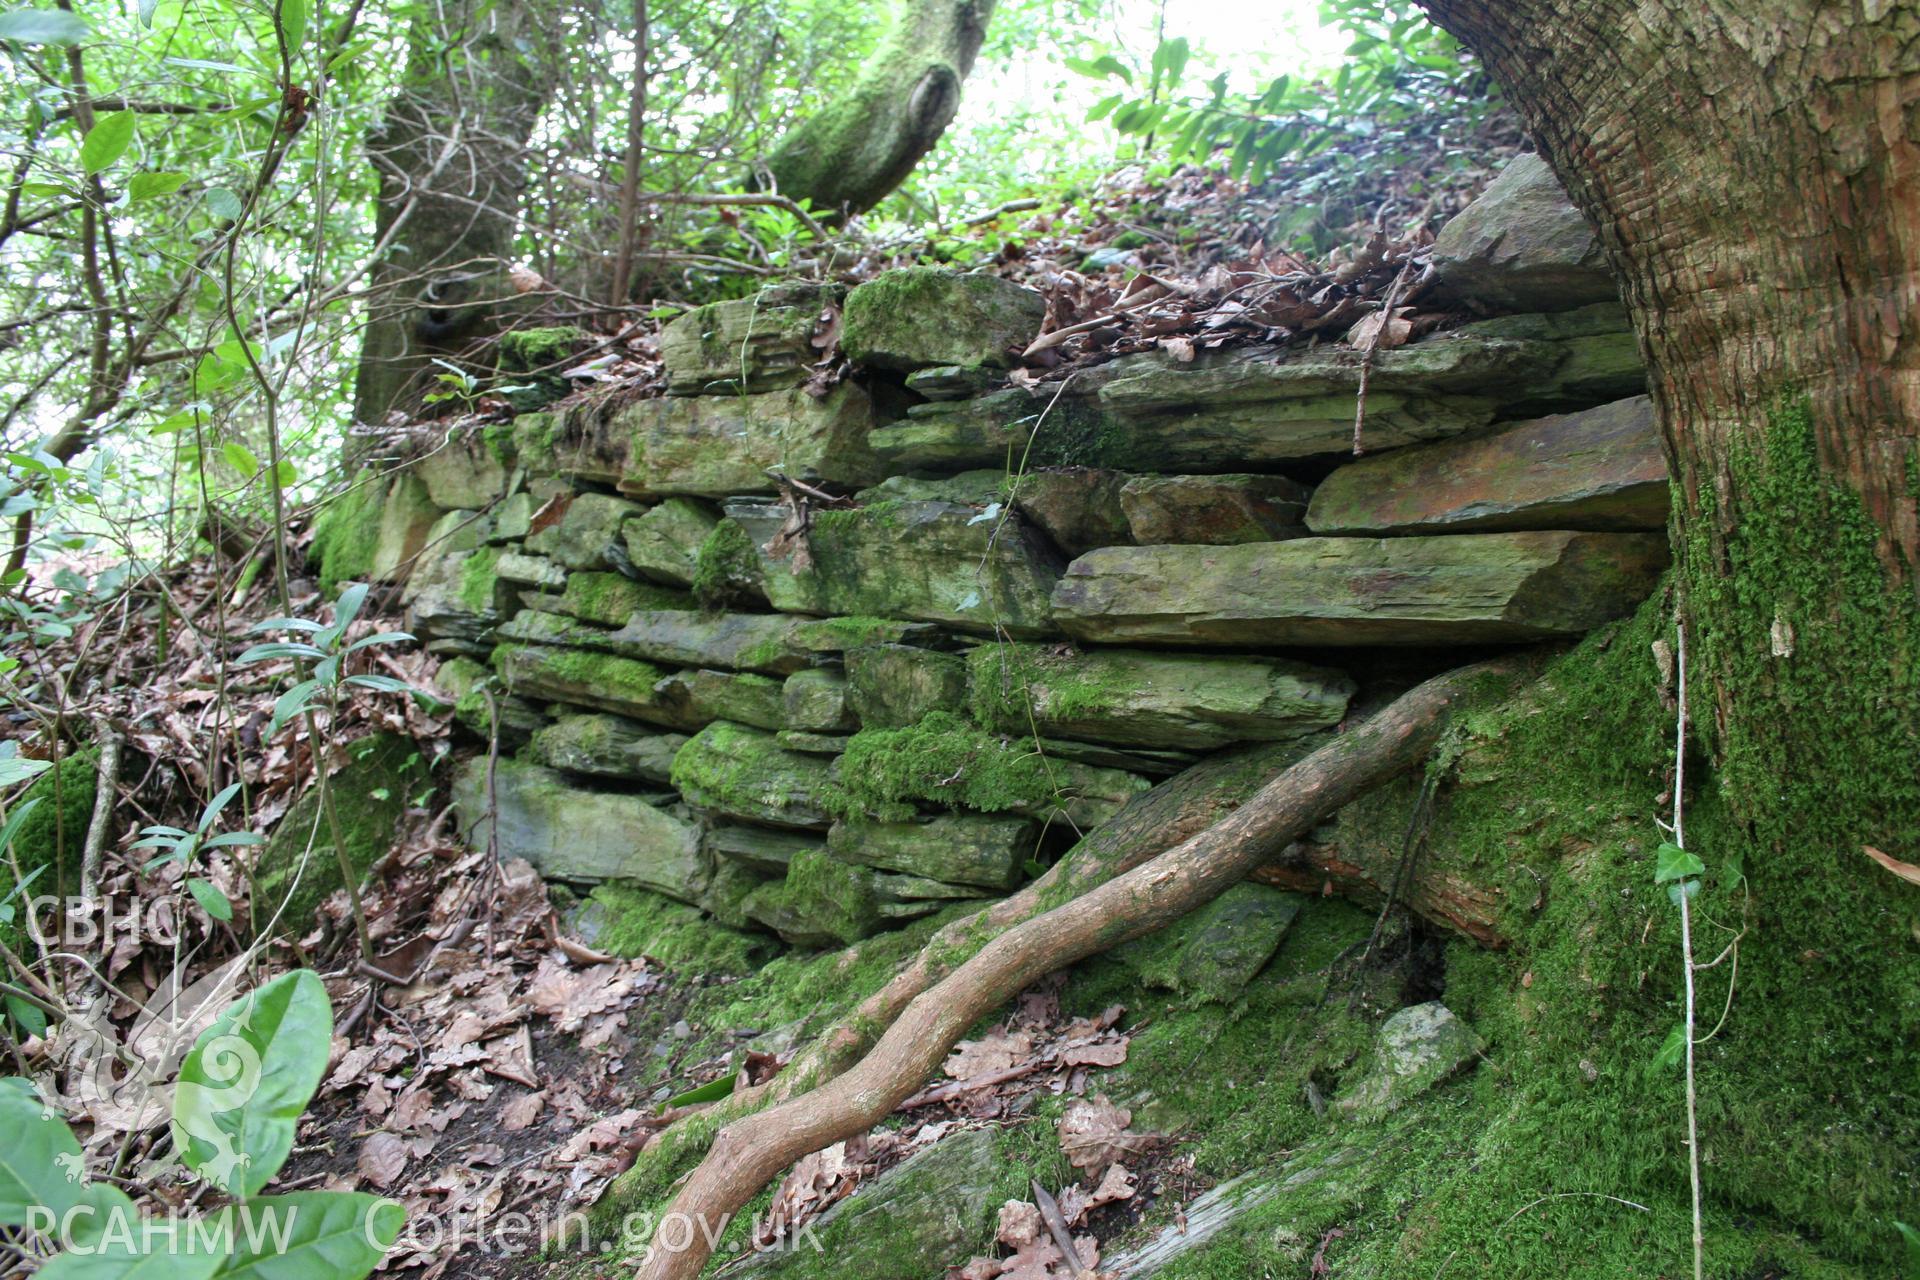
x=1522 y=246
x=1214 y=952
x=1415 y=1049
x=1598 y=469
x=891 y=686
x=578 y=440
x=531 y=571
x=759 y=343
x=838 y=635
x=605 y=746
x=587 y=525
x=513 y=518
x=1135 y=698
x=1218 y=510
x=741 y=641
x=664 y=543
x=920 y=317
x=811 y=742
x=1469 y=588
x=924 y=560
x=714 y=446
x=955 y=848
x=1078 y=507
x=815 y=701
x=740 y=772
x=950 y=381
x=580 y=834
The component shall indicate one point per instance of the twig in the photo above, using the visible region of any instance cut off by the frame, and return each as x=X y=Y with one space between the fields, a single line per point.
x=1686 y=941
x=106 y=784
x=1056 y=1224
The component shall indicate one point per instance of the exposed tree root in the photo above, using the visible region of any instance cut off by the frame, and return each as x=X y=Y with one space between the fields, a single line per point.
x=749 y=1152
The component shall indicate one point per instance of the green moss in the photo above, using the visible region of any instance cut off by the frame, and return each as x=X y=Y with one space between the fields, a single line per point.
x=612 y=598
x=478 y=580
x=49 y=840
x=1001 y=678
x=346 y=534
x=499 y=440
x=626 y=678
x=627 y=920
x=527 y=350
x=945 y=760
x=727 y=568
x=881 y=513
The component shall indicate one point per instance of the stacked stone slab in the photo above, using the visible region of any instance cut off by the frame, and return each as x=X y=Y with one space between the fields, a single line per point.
x=998 y=615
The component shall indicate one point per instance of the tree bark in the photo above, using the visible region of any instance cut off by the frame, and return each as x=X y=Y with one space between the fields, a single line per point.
x=855 y=151
x=1753 y=174
x=451 y=156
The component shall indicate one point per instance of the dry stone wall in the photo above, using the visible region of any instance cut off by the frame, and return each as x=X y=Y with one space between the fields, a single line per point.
x=823 y=661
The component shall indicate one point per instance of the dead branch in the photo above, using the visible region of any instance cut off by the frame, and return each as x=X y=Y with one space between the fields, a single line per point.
x=749 y=1153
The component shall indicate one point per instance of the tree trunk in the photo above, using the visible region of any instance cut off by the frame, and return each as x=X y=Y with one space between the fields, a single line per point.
x=452 y=164
x=1753 y=174
x=855 y=151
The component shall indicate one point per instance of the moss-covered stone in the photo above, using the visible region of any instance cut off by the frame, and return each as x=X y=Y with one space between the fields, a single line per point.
x=371 y=791
x=1004 y=430
x=824 y=901
x=46 y=846
x=1598 y=469
x=931 y=561
x=630 y=920
x=1418 y=1047
x=955 y=848
x=815 y=701
x=538 y=350
x=664 y=543
x=1077 y=507
x=346 y=534
x=691 y=699
x=579 y=834
x=1216 y=510
x=763 y=342
x=579 y=535
x=891 y=686
x=761 y=849
x=529 y=571
x=1466 y=589
x=407 y=517
x=461 y=680
x=513 y=518
x=714 y=446
x=599 y=680
x=838 y=635
x=918 y=317
x=610 y=599
x=604 y=746
x=741 y=641
x=462 y=473
x=1215 y=952
x=1132 y=697
x=742 y=773
x=453 y=595
x=726 y=570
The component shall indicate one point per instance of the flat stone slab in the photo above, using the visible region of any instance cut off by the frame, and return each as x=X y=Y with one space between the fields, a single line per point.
x=741 y=641
x=715 y=446
x=925 y=560
x=1217 y=510
x=957 y=848
x=740 y=772
x=815 y=701
x=1522 y=246
x=922 y=317
x=682 y=700
x=693 y=699
x=1137 y=698
x=1080 y=508
x=605 y=746
x=607 y=599
x=579 y=834
x=891 y=686
x=1598 y=469
x=1416 y=1049
x=1472 y=588
x=578 y=533
x=760 y=343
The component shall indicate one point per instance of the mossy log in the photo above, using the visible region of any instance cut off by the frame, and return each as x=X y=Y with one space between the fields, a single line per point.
x=748 y=1153
x=853 y=152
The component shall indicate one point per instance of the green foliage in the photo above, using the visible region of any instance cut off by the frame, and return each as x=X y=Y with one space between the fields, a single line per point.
x=328 y=648
x=239 y=1096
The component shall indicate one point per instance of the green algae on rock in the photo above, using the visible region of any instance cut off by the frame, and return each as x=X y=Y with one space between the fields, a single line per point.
x=663 y=543
x=956 y=848
x=741 y=772
x=371 y=791
x=718 y=446
x=891 y=686
x=605 y=746
x=763 y=342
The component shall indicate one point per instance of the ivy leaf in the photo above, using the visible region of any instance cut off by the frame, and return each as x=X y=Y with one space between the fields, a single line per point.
x=211 y=900
x=312 y=1235
x=1672 y=1050
x=294 y=15
x=247 y=1080
x=241 y=459
x=107 y=141
x=151 y=186
x=1671 y=862
x=43 y=26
